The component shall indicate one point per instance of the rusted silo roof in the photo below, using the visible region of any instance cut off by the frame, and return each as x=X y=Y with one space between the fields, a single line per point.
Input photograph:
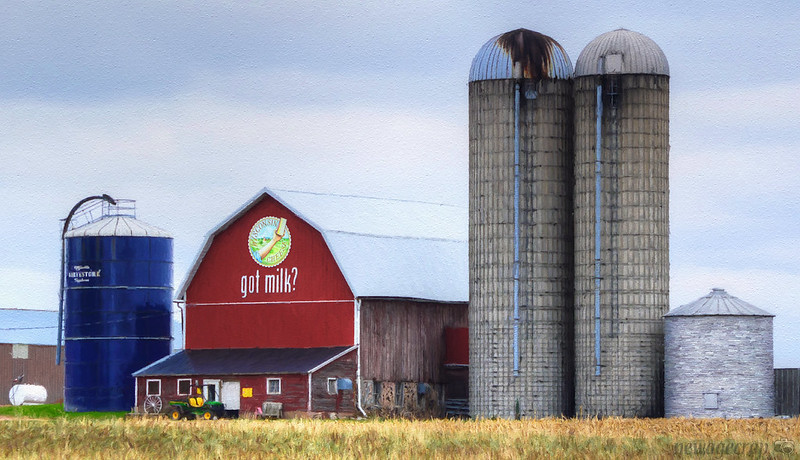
x=718 y=303
x=538 y=56
x=621 y=51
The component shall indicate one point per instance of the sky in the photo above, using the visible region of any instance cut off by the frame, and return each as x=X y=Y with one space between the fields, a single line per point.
x=190 y=108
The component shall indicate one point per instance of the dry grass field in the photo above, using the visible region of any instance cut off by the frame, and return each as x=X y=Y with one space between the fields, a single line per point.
x=120 y=438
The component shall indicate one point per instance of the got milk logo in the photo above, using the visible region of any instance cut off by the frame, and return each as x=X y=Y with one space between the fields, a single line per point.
x=270 y=241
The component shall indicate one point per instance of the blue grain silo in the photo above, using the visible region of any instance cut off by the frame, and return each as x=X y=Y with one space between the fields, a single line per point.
x=117 y=308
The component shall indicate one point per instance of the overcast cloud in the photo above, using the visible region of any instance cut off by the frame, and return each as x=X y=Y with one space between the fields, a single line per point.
x=191 y=109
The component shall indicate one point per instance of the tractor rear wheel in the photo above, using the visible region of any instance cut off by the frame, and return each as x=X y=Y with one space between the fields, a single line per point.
x=175 y=414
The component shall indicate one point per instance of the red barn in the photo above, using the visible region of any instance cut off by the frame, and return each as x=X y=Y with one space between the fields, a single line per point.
x=323 y=303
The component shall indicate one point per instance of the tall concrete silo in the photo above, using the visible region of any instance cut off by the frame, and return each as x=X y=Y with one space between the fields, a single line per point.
x=520 y=227
x=718 y=359
x=621 y=225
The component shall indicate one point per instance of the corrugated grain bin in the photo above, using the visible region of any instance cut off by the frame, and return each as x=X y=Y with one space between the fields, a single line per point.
x=718 y=359
x=117 y=310
x=520 y=227
x=621 y=225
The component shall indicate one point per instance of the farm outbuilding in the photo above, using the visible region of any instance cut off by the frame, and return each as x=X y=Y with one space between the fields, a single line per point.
x=322 y=304
x=718 y=359
x=28 y=352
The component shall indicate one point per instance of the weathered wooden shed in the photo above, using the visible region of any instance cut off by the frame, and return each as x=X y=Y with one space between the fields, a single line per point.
x=340 y=294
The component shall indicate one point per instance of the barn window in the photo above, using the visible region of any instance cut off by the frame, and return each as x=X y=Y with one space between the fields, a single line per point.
x=273 y=386
x=154 y=387
x=332 y=386
x=19 y=351
x=710 y=400
x=183 y=386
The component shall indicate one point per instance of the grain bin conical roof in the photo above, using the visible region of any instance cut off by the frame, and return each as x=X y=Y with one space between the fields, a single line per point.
x=535 y=56
x=118 y=226
x=718 y=303
x=622 y=51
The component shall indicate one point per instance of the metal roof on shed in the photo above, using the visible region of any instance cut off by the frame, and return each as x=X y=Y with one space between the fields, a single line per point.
x=538 y=56
x=718 y=303
x=639 y=53
x=384 y=247
x=243 y=361
x=118 y=226
x=31 y=327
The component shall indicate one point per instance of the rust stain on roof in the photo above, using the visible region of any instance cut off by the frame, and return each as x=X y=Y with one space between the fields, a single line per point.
x=531 y=49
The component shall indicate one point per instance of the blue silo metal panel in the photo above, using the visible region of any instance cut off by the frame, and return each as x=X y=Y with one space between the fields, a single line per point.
x=117 y=317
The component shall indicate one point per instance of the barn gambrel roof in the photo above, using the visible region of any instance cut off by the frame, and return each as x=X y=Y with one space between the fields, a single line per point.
x=384 y=247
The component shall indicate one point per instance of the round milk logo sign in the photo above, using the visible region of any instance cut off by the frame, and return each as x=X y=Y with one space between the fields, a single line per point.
x=270 y=241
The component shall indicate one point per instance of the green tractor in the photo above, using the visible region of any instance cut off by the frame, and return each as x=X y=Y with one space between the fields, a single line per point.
x=195 y=407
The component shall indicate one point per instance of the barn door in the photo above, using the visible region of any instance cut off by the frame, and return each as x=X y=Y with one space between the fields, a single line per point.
x=230 y=394
x=211 y=389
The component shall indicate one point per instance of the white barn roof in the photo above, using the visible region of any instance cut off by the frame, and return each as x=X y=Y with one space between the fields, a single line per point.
x=385 y=248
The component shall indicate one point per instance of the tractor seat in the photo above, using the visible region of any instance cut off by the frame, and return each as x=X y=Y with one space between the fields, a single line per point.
x=196 y=401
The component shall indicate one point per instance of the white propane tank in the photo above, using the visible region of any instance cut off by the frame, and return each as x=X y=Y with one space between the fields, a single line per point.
x=27 y=394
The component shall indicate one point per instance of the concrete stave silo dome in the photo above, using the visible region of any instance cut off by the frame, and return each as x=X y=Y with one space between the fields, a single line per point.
x=719 y=359
x=118 y=304
x=621 y=202
x=520 y=227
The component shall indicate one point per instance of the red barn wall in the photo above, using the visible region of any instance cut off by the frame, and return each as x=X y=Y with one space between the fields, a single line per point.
x=169 y=391
x=294 y=392
x=294 y=389
x=228 y=308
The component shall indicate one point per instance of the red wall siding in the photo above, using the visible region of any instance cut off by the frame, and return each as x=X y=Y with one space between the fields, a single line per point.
x=220 y=315
x=294 y=389
x=269 y=326
x=457 y=345
x=169 y=390
x=294 y=392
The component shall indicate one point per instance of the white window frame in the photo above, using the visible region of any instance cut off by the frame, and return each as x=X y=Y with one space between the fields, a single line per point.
x=335 y=386
x=178 y=387
x=280 y=385
x=147 y=387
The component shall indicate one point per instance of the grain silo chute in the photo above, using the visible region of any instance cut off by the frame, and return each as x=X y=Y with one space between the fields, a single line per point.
x=520 y=227
x=118 y=302
x=719 y=359
x=621 y=224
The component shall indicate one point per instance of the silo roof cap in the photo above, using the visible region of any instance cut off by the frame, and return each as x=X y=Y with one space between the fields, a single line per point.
x=718 y=303
x=118 y=226
x=621 y=51
x=521 y=53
